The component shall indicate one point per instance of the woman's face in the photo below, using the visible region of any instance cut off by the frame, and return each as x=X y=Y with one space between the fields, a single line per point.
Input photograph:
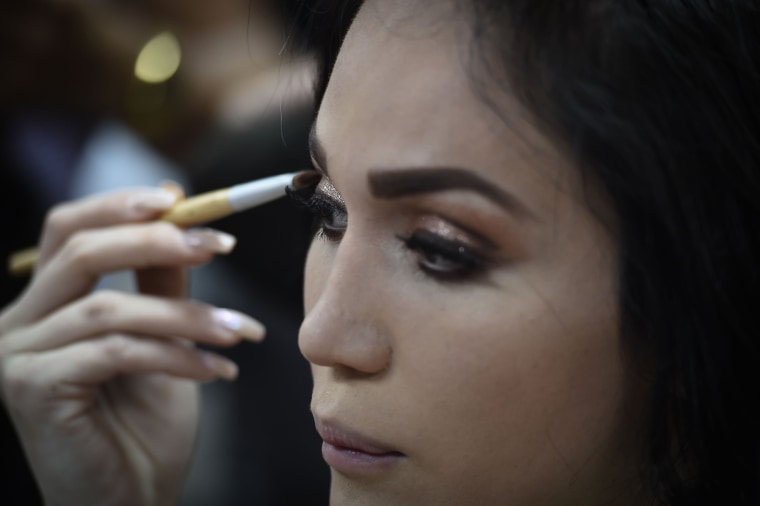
x=461 y=314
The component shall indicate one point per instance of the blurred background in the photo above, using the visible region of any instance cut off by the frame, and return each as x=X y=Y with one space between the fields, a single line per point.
x=112 y=93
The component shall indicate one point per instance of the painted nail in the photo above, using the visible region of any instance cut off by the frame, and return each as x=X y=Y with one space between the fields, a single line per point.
x=210 y=240
x=151 y=201
x=226 y=369
x=172 y=187
x=239 y=324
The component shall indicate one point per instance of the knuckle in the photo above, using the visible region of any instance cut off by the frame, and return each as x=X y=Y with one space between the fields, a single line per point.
x=114 y=347
x=101 y=306
x=163 y=236
x=57 y=219
x=76 y=251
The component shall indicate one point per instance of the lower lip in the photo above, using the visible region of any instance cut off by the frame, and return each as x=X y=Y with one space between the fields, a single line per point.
x=349 y=461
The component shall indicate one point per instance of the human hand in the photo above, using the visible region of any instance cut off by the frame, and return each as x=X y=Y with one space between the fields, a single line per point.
x=101 y=386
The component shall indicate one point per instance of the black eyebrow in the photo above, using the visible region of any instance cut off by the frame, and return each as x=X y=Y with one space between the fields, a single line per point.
x=317 y=151
x=391 y=184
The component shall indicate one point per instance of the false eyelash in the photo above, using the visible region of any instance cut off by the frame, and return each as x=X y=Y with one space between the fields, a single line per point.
x=309 y=200
x=320 y=207
x=301 y=197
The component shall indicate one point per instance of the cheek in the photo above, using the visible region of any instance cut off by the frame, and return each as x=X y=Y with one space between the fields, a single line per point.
x=522 y=376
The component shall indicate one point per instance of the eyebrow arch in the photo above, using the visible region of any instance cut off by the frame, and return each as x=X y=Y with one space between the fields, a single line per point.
x=391 y=184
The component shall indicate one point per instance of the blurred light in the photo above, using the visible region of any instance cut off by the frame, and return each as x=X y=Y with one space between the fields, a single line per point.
x=159 y=59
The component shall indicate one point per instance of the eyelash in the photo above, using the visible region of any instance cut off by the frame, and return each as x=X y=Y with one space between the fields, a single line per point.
x=439 y=258
x=324 y=211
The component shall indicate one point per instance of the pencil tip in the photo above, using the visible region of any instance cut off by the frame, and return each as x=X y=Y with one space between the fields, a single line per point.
x=305 y=179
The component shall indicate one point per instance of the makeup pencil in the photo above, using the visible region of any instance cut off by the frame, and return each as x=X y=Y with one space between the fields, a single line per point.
x=203 y=208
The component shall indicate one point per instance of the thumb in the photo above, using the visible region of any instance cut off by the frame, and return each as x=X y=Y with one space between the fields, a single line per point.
x=164 y=281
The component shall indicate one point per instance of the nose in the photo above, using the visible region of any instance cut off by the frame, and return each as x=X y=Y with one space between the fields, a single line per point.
x=345 y=309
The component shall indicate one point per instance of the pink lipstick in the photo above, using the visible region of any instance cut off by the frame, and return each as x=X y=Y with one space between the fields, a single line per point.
x=351 y=453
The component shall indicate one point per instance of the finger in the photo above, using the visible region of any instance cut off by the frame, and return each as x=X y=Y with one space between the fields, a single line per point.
x=167 y=282
x=163 y=281
x=74 y=370
x=125 y=206
x=108 y=312
x=173 y=187
x=89 y=254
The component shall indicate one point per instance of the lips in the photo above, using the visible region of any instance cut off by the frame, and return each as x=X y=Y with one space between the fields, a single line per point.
x=349 y=452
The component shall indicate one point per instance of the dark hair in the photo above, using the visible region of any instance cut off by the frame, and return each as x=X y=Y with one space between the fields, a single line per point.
x=659 y=101
x=321 y=25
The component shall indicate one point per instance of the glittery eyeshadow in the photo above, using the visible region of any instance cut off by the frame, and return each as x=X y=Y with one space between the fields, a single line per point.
x=328 y=190
x=444 y=230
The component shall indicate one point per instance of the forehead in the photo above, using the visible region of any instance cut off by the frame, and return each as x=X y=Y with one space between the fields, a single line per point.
x=389 y=38
x=406 y=87
x=396 y=56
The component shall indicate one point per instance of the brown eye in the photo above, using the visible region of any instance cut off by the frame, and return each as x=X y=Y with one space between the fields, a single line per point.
x=443 y=258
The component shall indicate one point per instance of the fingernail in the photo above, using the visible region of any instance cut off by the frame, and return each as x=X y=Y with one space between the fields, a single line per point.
x=152 y=201
x=210 y=240
x=173 y=187
x=221 y=366
x=240 y=324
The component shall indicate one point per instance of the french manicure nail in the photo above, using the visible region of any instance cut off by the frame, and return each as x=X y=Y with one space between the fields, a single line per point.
x=210 y=240
x=152 y=201
x=219 y=365
x=239 y=323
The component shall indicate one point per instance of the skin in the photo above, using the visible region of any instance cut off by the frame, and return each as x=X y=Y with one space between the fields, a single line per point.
x=506 y=387
x=502 y=386
x=102 y=386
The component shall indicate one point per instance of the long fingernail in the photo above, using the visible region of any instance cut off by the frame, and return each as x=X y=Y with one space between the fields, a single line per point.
x=210 y=240
x=174 y=188
x=224 y=368
x=151 y=201
x=239 y=324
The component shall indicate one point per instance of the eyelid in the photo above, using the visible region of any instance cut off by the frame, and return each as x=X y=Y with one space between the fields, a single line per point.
x=446 y=246
x=327 y=190
x=446 y=260
x=435 y=221
x=454 y=231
